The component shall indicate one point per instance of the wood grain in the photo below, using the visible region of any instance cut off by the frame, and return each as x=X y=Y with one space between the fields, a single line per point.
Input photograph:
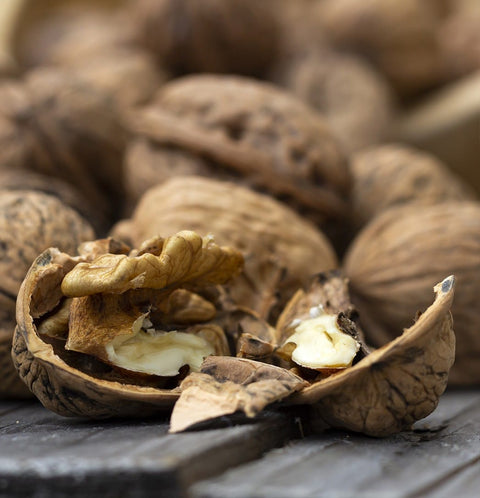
x=441 y=453
x=44 y=455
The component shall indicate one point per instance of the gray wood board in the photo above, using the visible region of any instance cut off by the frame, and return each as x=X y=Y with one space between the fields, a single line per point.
x=44 y=455
x=439 y=457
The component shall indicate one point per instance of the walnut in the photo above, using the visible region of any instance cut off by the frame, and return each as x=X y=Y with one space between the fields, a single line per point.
x=394 y=174
x=237 y=128
x=135 y=323
x=215 y=36
x=381 y=393
x=355 y=100
x=400 y=38
x=13 y=180
x=393 y=261
x=30 y=222
x=281 y=249
x=53 y=123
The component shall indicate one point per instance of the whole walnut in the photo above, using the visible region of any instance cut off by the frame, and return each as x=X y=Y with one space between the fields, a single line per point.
x=244 y=130
x=55 y=124
x=217 y=36
x=281 y=249
x=355 y=100
x=30 y=222
x=391 y=175
x=393 y=261
x=13 y=180
x=400 y=38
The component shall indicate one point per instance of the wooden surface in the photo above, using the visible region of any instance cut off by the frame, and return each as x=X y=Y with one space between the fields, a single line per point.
x=44 y=455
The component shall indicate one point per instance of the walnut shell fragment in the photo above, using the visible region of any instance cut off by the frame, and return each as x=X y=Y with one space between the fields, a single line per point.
x=243 y=130
x=83 y=366
x=396 y=385
x=29 y=223
x=281 y=249
x=226 y=385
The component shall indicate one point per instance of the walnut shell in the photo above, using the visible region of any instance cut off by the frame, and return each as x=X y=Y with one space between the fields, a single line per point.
x=244 y=130
x=355 y=100
x=393 y=174
x=400 y=254
x=216 y=36
x=281 y=249
x=53 y=123
x=77 y=384
x=400 y=38
x=29 y=223
x=394 y=386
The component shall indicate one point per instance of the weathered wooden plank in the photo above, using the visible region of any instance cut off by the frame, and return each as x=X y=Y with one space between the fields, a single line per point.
x=44 y=455
x=336 y=464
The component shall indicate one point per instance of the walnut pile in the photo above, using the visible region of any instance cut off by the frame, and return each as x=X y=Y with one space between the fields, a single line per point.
x=30 y=222
x=244 y=130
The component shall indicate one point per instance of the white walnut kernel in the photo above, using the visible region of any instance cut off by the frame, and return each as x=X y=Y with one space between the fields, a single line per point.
x=319 y=343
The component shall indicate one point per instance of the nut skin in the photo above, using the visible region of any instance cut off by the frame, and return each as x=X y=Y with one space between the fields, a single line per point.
x=392 y=175
x=281 y=249
x=243 y=130
x=399 y=255
x=214 y=36
x=29 y=222
x=394 y=386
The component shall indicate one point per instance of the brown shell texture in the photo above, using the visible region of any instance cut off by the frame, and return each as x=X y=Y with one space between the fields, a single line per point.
x=394 y=174
x=355 y=99
x=29 y=223
x=400 y=38
x=55 y=124
x=244 y=130
x=394 y=386
x=216 y=36
x=400 y=254
x=281 y=249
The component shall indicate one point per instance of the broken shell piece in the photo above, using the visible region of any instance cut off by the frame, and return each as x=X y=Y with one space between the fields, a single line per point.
x=227 y=385
x=395 y=385
x=319 y=343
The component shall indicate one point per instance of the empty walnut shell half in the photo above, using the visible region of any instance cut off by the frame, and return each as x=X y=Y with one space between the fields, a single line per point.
x=110 y=333
x=394 y=174
x=394 y=386
x=396 y=258
x=243 y=130
x=280 y=248
x=30 y=222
